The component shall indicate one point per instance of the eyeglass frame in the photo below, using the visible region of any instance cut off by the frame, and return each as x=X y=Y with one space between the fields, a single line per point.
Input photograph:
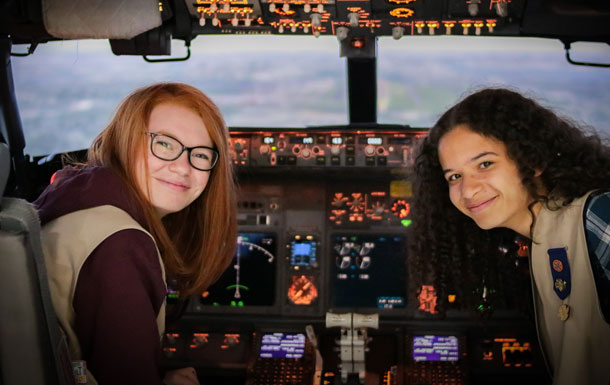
x=184 y=148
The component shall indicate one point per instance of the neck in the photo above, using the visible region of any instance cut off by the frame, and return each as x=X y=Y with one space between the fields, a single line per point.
x=525 y=227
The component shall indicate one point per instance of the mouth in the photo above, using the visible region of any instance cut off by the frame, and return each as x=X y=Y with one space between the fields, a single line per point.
x=176 y=186
x=480 y=206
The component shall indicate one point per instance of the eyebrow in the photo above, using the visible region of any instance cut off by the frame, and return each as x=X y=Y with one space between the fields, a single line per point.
x=478 y=156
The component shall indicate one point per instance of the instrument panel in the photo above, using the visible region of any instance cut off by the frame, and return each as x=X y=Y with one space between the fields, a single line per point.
x=320 y=288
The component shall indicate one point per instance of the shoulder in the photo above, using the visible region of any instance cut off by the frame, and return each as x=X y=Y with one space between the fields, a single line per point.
x=126 y=260
x=598 y=206
x=133 y=244
x=597 y=219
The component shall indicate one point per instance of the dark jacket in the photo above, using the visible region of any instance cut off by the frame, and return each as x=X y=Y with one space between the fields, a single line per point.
x=120 y=288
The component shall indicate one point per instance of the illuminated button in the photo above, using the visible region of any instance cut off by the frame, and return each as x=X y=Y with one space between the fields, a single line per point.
x=335 y=150
x=369 y=150
x=238 y=147
x=281 y=144
x=382 y=161
x=350 y=160
x=335 y=160
x=320 y=160
x=369 y=160
x=264 y=149
x=306 y=153
x=316 y=149
x=296 y=149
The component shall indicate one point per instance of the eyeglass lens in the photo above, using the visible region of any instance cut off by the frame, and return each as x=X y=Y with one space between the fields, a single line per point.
x=168 y=148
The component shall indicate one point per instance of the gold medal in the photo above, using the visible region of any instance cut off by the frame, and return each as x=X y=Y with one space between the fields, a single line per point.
x=564 y=312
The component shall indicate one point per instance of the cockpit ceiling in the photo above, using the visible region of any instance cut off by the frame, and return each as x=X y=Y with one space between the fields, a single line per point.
x=351 y=20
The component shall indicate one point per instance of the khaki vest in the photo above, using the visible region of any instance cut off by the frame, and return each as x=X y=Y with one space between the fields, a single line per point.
x=577 y=349
x=67 y=242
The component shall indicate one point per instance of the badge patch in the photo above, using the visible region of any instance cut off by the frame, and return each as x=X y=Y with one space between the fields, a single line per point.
x=560 y=270
x=557 y=265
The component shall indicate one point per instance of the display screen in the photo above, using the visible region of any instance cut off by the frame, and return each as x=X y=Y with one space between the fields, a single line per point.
x=435 y=348
x=250 y=278
x=336 y=140
x=400 y=140
x=303 y=253
x=268 y=140
x=369 y=271
x=302 y=139
x=282 y=345
x=374 y=141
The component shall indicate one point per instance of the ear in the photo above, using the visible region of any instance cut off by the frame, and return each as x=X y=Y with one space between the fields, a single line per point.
x=537 y=172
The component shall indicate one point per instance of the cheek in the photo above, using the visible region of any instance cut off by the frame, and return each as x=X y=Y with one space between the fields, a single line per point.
x=454 y=196
x=200 y=182
x=154 y=164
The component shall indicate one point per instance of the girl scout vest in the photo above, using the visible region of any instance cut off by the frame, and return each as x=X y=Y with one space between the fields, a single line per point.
x=67 y=242
x=574 y=335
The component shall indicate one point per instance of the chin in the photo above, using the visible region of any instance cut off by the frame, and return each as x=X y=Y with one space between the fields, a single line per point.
x=485 y=225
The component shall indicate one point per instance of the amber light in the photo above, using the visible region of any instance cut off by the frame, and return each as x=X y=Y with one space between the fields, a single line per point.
x=357 y=42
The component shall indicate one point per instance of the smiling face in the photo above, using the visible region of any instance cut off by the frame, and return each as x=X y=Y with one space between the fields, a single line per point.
x=173 y=185
x=484 y=183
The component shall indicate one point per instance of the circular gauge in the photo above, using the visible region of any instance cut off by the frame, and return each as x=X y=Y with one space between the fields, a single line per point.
x=302 y=290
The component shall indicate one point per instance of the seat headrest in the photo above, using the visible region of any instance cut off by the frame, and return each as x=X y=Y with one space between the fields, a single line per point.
x=5 y=166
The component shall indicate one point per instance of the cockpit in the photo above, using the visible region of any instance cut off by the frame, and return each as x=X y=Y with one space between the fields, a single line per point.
x=327 y=102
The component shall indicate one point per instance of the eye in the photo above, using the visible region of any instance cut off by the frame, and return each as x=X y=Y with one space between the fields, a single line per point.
x=162 y=143
x=201 y=156
x=486 y=164
x=453 y=177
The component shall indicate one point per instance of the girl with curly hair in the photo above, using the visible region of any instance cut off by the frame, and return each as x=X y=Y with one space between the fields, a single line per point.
x=496 y=168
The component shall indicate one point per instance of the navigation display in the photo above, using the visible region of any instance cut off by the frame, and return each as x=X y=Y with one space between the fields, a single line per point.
x=435 y=348
x=250 y=278
x=369 y=271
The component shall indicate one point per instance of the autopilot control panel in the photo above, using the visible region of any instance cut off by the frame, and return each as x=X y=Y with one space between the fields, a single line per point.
x=320 y=291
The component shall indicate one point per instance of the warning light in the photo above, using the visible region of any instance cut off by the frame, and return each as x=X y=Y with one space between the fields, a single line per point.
x=427 y=299
x=406 y=222
x=451 y=298
x=357 y=42
x=402 y=12
x=205 y=294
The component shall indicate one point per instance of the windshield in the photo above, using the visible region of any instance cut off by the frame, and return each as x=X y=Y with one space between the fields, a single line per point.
x=421 y=77
x=67 y=91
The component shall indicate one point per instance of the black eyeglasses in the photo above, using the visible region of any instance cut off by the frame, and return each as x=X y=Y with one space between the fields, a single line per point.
x=165 y=147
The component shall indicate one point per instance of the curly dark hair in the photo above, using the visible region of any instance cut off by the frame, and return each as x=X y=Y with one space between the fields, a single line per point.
x=450 y=250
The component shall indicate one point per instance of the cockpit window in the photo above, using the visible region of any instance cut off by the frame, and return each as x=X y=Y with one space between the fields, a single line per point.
x=420 y=77
x=67 y=91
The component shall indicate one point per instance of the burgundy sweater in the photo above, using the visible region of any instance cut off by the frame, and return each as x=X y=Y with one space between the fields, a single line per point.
x=120 y=288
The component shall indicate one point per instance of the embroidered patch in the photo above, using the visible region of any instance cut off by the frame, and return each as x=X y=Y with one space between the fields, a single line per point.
x=557 y=266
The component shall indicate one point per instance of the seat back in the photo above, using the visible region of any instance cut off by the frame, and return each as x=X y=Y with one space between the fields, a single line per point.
x=33 y=349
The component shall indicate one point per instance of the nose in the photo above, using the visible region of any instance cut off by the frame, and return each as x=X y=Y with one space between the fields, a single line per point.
x=470 y=187
x=181 y=165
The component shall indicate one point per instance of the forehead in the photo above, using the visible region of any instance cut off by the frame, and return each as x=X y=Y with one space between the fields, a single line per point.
x=460 y=145
x=181 y=122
